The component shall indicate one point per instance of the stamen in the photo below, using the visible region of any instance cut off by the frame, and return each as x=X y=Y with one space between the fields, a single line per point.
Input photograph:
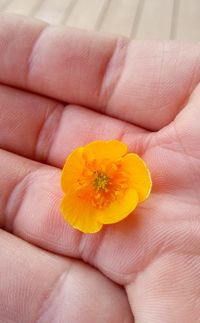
x=99 y=188
x=101 y=181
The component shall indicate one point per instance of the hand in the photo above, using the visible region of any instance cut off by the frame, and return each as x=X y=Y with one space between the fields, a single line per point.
x=61 y=88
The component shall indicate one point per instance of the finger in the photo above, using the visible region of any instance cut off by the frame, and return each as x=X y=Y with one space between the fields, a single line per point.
x=38 y=286
x=31 y=205
x=28 y=122
x=143 y=82
x=45 y=130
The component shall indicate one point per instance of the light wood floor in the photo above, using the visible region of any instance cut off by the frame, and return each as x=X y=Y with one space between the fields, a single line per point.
x=141 y=19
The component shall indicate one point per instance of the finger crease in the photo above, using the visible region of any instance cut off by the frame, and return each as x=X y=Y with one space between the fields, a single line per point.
x=112 y=72
x=47 y=132
x=89 y=247
x=32 y=53
x=15 y=200
x=51 y=295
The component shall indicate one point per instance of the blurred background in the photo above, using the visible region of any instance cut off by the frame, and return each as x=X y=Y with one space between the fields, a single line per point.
x=141 y=19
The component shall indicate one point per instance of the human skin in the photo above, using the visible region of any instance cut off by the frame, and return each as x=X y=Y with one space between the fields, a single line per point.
x=62 y=88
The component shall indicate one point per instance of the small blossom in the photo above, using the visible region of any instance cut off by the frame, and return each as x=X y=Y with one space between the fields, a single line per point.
x=103 y=184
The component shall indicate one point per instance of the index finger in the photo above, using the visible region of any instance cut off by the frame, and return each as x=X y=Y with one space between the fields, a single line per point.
x=145 y=83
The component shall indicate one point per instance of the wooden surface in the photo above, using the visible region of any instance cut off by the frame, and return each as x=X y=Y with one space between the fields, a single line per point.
x=141 y=19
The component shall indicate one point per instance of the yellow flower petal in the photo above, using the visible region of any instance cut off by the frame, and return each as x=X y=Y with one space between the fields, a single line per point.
x=119 y=209
x=100 y=149
x=103 y=185
x=139 y=175
x=79 y=215
x=72 y=169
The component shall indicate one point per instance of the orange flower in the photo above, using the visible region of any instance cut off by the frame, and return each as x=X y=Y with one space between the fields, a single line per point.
x=102 y=184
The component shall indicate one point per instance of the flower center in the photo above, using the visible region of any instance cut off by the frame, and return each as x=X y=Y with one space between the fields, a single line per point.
x=101 y=181
x=101 y=184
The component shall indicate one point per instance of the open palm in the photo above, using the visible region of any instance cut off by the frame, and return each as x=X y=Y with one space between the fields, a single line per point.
x=63 y=88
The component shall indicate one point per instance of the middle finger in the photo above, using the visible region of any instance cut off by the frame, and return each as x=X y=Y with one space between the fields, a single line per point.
x=47 y=130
